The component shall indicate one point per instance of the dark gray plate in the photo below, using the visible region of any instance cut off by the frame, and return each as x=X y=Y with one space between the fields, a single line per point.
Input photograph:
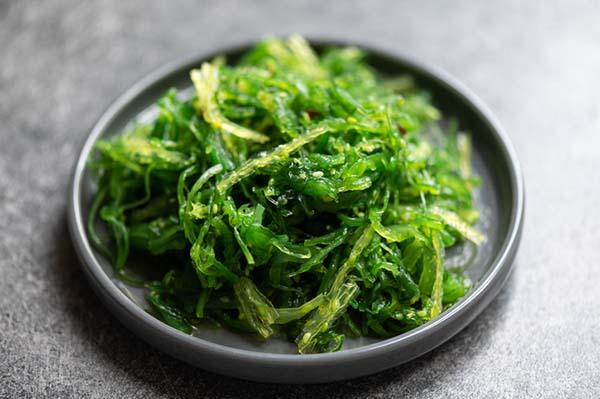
x=501 y=199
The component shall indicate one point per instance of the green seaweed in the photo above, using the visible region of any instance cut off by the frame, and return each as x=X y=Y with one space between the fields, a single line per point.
x=294 y=194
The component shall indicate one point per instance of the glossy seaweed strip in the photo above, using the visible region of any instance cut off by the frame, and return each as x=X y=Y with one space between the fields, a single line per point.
x=295 y=194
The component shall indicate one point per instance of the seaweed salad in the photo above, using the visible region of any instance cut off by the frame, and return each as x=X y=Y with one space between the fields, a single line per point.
x=295 y=194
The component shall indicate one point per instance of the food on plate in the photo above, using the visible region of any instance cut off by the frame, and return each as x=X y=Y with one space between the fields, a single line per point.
x=294 y=194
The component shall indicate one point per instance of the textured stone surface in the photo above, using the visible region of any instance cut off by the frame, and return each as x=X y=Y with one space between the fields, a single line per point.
x=536 y=65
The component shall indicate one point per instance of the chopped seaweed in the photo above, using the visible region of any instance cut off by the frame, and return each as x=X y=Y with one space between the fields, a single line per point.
x=295 y=193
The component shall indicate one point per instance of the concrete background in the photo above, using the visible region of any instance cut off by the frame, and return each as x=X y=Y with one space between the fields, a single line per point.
x=537 y=65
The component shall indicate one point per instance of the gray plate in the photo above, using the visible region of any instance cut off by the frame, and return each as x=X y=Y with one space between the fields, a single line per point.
x=501 y=198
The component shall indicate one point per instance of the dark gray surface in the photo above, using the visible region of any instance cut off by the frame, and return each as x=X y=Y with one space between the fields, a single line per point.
x=537 y=65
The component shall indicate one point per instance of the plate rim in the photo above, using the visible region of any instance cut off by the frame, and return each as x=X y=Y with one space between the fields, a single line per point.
x=108 y=291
